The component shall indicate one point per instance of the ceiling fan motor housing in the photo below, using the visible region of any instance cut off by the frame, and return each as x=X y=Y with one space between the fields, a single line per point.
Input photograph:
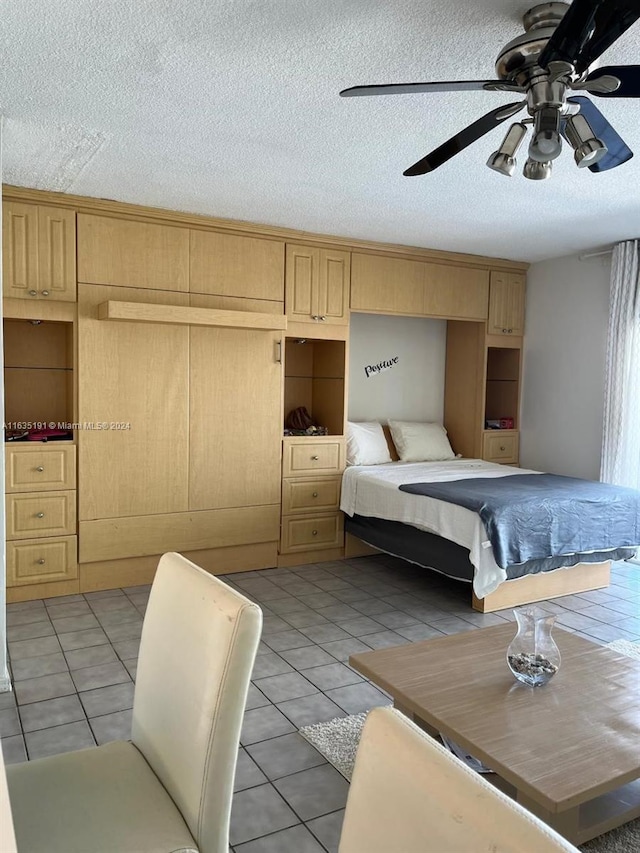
x=518 y=57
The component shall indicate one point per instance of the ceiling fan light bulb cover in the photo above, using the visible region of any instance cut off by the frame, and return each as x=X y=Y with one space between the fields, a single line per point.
x=502 y=163
x=537 y=171
x=588 y=149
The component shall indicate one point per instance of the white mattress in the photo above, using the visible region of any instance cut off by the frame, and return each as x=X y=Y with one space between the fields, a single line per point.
x=373 y=491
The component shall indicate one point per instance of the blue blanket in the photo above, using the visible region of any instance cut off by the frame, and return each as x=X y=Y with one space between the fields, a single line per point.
x=533 y=516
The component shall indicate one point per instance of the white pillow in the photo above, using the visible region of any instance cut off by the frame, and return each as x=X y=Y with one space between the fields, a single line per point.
x=420 y=442
x=366 y=444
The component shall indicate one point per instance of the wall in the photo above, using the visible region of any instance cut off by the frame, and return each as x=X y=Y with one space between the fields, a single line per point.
x=412 y=388
x=567 y=313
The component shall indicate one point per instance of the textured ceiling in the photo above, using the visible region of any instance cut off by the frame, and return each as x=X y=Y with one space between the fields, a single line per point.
x=231 y=108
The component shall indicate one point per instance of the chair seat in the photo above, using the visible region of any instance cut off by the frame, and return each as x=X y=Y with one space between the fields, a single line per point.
x=97 y=800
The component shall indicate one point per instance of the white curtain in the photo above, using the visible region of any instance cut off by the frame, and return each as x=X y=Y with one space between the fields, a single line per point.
x=621 y=436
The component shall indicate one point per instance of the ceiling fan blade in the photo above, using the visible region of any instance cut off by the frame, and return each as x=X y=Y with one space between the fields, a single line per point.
x=444 y=86
x=461 y=140
x=618 y=152
x=628 y=75
x=587 y=29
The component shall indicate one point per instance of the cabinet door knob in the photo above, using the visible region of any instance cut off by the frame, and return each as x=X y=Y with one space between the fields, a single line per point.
x=314 y=495
x=323 y=317
x=510 y=331
x=41 y=561
x=39 y=515
x=314 y=532
x=504 y=331
x=33 y=293
x=44 y=292
x=314 y=458
x=40 y=468
x=315 y=317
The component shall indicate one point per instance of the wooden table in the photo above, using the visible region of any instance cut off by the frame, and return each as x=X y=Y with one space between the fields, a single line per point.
x=569 y=751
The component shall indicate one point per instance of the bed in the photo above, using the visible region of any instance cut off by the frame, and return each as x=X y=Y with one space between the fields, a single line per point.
x=453 y=539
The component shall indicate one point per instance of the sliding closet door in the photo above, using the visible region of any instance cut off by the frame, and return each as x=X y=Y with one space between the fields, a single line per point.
x=235 y=418
x=133 y=380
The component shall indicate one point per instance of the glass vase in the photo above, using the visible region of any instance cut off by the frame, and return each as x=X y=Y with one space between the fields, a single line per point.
x=533 y=655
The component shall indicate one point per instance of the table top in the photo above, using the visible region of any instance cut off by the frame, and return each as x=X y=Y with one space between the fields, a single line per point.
x=562 y=743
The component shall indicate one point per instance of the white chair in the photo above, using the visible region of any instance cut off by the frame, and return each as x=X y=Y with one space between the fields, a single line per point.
x=411 y=795
x=170 y=788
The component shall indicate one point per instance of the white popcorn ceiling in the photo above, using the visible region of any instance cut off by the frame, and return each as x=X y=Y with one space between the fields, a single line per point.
x=230 y=108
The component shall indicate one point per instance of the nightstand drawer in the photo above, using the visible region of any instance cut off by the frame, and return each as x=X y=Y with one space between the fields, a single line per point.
x=42 y=560
x=310 y=495
x=305 y=533
x=46 y=514
x=315 y=456
x=500 y=446
x=40 y=468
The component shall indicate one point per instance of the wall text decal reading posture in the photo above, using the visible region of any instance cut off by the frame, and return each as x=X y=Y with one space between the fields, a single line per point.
x=380 y=366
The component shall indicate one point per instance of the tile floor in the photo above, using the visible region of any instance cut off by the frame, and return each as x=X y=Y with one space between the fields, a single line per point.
x=73 y=662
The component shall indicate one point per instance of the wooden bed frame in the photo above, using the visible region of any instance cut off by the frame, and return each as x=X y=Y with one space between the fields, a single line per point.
x=580 y=578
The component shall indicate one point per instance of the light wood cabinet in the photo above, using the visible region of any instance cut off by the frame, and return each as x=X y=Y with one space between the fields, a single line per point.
x=312 y=469
x=196 y=464
x=38 y=561
x=126 y=253
x=317 y=285
x=506 y=304
x=37 y=467
x=230 y=265
x=483 y=378
x=386 y=285
x=459 y=292
x=39 y=252
x=500 y=446
x=40 y=515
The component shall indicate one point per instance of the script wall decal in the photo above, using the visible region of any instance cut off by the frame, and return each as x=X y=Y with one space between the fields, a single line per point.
x=374 y=369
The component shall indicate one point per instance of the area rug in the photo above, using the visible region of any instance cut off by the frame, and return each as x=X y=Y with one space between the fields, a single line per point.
x=337 y=741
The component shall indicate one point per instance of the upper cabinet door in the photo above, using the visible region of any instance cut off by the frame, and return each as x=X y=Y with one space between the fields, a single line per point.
x=385 y=285
x=317 y=285
x=301 y=275
x=506 y=304
x=334 y=276
x=230 y=265
x=458 y=292
x=39 y=252
x=126 y=253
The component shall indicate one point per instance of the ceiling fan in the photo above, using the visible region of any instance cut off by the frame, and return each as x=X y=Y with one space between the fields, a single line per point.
x=546 y=64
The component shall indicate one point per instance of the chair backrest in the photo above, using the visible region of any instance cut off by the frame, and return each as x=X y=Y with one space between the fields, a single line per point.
x=199 y=642
x=410 y=794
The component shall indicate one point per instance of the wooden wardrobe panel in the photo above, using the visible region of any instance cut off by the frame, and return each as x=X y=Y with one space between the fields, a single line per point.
x=136 y=374
x=386 y=285
x=235 y=418
x=458 y=292
x=132 y=254
x=232 y=265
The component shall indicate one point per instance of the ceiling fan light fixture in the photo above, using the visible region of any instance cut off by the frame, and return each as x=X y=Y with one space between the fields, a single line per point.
x=537 y=171
x=504 y=159
x=588 y=149
x=546 y=143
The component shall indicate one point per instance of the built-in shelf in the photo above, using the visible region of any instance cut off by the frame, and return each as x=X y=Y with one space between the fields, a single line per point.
x=145 y=312
x=314 y=377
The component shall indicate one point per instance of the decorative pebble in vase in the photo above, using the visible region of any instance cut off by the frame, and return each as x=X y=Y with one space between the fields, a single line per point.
x=533 y=655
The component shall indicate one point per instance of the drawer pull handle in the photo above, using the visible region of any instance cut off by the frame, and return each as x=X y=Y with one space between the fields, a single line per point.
x=314 y=532
x=314 y=495
x=39 y=515
x=314 y=458
x=45 y=292
x=33 y=293
x=41 y=561
x=40 y=468
x=502 y=447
